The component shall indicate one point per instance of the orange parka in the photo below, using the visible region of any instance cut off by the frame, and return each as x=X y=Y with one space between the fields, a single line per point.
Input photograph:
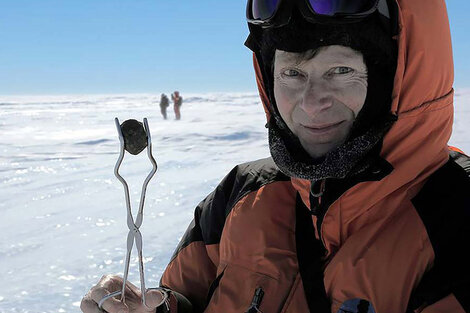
x=395 y=236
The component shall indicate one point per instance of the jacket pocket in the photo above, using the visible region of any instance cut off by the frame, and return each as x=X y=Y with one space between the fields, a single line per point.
x=238 y=289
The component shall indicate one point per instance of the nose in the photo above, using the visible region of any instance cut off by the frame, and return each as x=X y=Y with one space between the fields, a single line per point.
x=317 y=96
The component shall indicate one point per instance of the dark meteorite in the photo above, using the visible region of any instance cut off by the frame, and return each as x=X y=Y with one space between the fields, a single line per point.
x=135 y=137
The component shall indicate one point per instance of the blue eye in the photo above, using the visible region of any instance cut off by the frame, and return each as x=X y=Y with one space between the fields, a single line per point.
x=291 y=73
x=341 y=70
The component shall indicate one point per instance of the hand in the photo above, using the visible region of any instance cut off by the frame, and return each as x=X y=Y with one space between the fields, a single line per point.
x=133 y=302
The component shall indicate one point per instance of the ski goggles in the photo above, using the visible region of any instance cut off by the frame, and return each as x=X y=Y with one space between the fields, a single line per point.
x=268 y=13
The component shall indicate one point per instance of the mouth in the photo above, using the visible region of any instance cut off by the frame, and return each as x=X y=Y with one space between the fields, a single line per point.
x=322 y=128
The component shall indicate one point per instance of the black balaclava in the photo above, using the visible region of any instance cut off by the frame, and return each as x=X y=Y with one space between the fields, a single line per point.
x=374 y=41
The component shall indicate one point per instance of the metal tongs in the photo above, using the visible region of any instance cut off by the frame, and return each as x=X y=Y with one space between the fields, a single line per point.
x=133 y=138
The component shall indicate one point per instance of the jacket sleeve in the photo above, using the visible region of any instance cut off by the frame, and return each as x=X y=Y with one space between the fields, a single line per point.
x=193 y=266
x=444 y=208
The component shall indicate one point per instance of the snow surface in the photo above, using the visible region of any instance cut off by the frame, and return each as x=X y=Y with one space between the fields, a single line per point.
x=63 y=216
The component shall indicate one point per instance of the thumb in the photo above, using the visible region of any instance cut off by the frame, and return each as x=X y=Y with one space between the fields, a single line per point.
x=154 y=297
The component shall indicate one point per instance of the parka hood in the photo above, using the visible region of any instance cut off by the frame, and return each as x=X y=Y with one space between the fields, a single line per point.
x=422 y=98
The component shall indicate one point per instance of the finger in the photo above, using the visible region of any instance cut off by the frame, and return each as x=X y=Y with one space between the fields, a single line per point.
x=114 y=282
x=89 y=306
x=153 y=298
x=110 y=282
x=111 y=305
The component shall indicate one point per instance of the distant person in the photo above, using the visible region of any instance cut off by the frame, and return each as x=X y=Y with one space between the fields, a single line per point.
x=178 y=101
x=164 y=103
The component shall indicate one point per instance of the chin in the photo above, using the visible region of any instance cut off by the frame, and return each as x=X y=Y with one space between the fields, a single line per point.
x=320 y=150
x=317 y=153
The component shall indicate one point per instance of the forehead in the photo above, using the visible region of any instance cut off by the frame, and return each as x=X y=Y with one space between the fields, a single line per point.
x=323 y=54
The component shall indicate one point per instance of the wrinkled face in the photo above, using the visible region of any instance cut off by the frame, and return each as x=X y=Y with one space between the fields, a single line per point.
x=319 y=97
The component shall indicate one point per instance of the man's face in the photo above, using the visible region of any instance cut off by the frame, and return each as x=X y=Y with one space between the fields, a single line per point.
x=319 y=97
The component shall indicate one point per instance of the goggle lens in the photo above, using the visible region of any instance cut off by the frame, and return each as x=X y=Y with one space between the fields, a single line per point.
x=264 y=9
x=332 y=7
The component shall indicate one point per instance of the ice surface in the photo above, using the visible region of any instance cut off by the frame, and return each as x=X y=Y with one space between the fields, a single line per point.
x=62 y=210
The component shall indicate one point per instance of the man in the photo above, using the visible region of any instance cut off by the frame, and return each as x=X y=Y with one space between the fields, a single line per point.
x=178 y=101
x=363 y=207
x=164 y=103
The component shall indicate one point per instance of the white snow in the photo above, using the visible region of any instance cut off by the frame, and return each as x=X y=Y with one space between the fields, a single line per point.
x=62 y=210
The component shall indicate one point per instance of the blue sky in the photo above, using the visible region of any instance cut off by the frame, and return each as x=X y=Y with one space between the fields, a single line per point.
x=133 y=46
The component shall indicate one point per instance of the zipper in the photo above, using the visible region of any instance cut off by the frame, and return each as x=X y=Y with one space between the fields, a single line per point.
x=256 y=302
x=317 y=194
x=320 y=201
x=317 y=190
